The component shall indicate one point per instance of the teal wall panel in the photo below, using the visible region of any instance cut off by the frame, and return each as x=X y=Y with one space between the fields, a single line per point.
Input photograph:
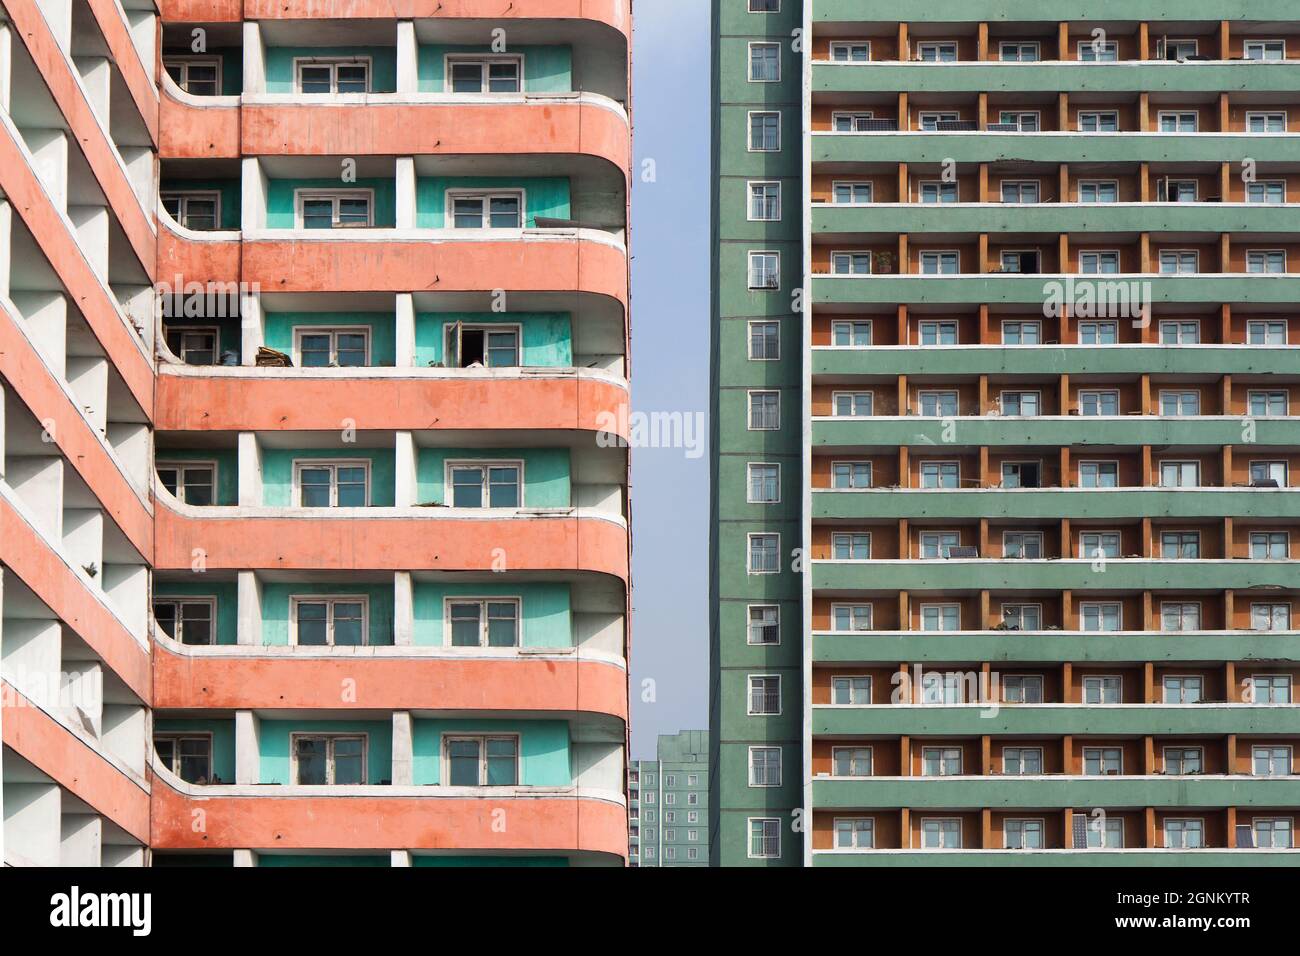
x=546 y=473
x=543 y=748
x=546 y=337
x=547 y=69
x=547 y=619
x=275 y=737
x=277 y=472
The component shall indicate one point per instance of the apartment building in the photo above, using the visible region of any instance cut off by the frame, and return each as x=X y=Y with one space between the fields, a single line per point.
x=668 y=800
x=1007 y=457
x=316 y=322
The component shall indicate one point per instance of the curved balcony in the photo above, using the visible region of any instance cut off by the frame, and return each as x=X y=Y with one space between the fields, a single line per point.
x=218 y=398
x=389 y=539
x=196 y=127
x=542 y=819
x=185 y=255
x=473 y=681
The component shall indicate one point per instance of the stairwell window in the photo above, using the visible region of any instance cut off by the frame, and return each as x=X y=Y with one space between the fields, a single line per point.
x=764 y=6
x=765 y=202
x=764 y=838
x=482 y=761
x=339 y=209
x=765 y=695
x=343 y=75
x=765 y=766
x=764 y=483
x=765 y=132
x=332 y=484
x=764 y=62
x=188 y=620
x=486 y=484
x=764 y=411
x=192 y=482
x=1271 y=261
x=764 y=624
x=329 y=621
x=188 y=756
x=764 y=554
x=494 y=74
x=315 y=347
x=196 y=75
x=199 y=210
x=764 y=341
x=336 y=760
x=764 y=271
x=483 y=622
x=503 y=210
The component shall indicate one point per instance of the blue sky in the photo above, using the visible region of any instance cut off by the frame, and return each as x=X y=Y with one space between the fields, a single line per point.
x=670 y=366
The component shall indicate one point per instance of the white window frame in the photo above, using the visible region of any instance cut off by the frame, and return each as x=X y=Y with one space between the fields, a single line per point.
x=1099 y=253
x=1098 y=114
x=329 y=600
x=852 y=254
x=302 y=195
x=485 y=61
x=180 y=466
x=853 y=116
x=1042 y=832
x=333 y=331
x=749 y=270
x=1245 y=48
x=940 y=253
x=749 y=409
x=749 y=695
x=851 y=462
x=185 y=61
x=850 y=44
x=486 y=464
x=484 y=620
x=871 y=831
x=749 y=550
x=1286 y=121
x=179 y=601
x=749 y=482
x=184 y=196
x=333 y=464
x=1119 y=622
x=749 y=60
x=1097 y=185
x=175 y=737
x=855 y=185
x=871 y=615
x=749 y=608
x=333 y=62
x=1182 y=606
x=780 y=767
x=1266 y=323
x=749 y=130
x=1286 y=265
x=1020 y=185
x=482 y=737
x=485 y=196
x=961 y=835
x=749 y=838
x=749 y=200
x=1106 y=45
x=1020 y=44
x=923 y=45
x=1181 y=463
x=749 y=337
x=330 y=737
x=853 y=395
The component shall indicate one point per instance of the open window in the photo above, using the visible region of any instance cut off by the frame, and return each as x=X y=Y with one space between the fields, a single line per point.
x=483 y=346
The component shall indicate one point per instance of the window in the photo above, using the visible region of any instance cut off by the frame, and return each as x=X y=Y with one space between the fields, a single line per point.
x=1020 y=261
x=765 y=132
x=1020 y=191
x=1268 y=474
x=483 y=622
x=1022 y=333
x=1180 y=474
x=1098 y=190
x=482 y=761
x=764 y=553
x=1179 y=545
x=856 y=122
x=938 y=333
x=764 y=624
x=329 y=759
x=482 y=346
x=1180 y=616
x=764 y=411
x=1103 y=690
x=1265 y=49
x=1022 y=761
x=851 y=194
x=196 y=75
x=764 y=838
x=1024 y=121
x=765 y=766
x=1179 y=262
x=1099 y=402
x=188 y=756
x=1180 y=332
x=1270 y=545
x=332 y=484
x=1258 y=332
x=1181 y=403
x=1184 y=834
x=1098 y=474
x=764 y=341
x=933 y=193
x=496 y=74
x=1099 y=263
x=1273 y=833
x=851 y=547
x=764 y=62
x=1271 y=688
x=854 y=833
x=1175 y=49
x=940 y=617
x=1177 y=122
x=486 y=484
x=852 y=334
x=851 y=404
x=1103 y=761
x=1270 y=617
x=765 y=202
x=940 y=761
x=1270 y=761
x=332 y=348
x=935 y=404
x=764 y=6
x=764 y=483
x=940 y=474
x=1176 y=190
x=1021 y=474
x=1099 y=616
x=943 y=833
x=1099 y=544
x=1266 y=122
x=692 y=853
x=1022 y=544
x=851 y=617
x=858 y=51
x=854 y=691
x=333 y=76
x=1022 y=834
x=1266 y=191
x=194 y=483
x=1267 y=403
x=1184 y=761
x=850 y=474
x=1022 y=51
x=765 y=271
x=343 y=209
x=940 y=52
x=938 y=544
x=193 y=346
x=329 y=621
x=1105 y=833
x=189 y=620
x=851 y=263
x=1103 y=121
x=940 y=263
x=1022 y=617
x=486 y=210
x=1272 y=261
x=198 y=210
x=851 y=761
x=1099 y=51
x=1021 y=404
x=1022 y=689
x=1098 y=333
x=1182 y=689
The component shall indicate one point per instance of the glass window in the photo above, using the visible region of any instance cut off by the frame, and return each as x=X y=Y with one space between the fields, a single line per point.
x=851 y=547
x=1092 y=190
x=329 y=759
x=851 y=617
x=764 y=695
x=483 y=761
x=487 y=484
x=852 y=193
x=764 y=483
x=764 y=411
x=484 y=622
x=330 y=621
x=1099 y=616
x=850 y=474
x=333 y=76
x=765 y=132
x=857 y=833
x=1270 y=545
x=764 y=553
x=764 y=62
x=940 y=617
x=764 y=624
x=333 y=484
x=1102 y=761
x=1098 y=474
x=188 y=756
x=940 y=474
x=851 y=761
x=854 y=334
x=765 y=202
x=187 y=620
x=852 y=404
x=764 y=271
x=765 y=766
x=484 y=75
x=1180 y=474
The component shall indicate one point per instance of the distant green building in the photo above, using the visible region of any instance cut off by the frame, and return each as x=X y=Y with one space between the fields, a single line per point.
x=669 y=801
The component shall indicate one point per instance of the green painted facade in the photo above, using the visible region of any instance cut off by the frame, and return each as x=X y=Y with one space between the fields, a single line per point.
x=669 y=801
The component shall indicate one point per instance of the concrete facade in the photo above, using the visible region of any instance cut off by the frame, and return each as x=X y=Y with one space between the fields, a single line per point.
x=668 y=800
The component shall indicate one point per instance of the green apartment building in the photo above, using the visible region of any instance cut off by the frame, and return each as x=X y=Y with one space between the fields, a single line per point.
x=1006 y=510
x=668 y=803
